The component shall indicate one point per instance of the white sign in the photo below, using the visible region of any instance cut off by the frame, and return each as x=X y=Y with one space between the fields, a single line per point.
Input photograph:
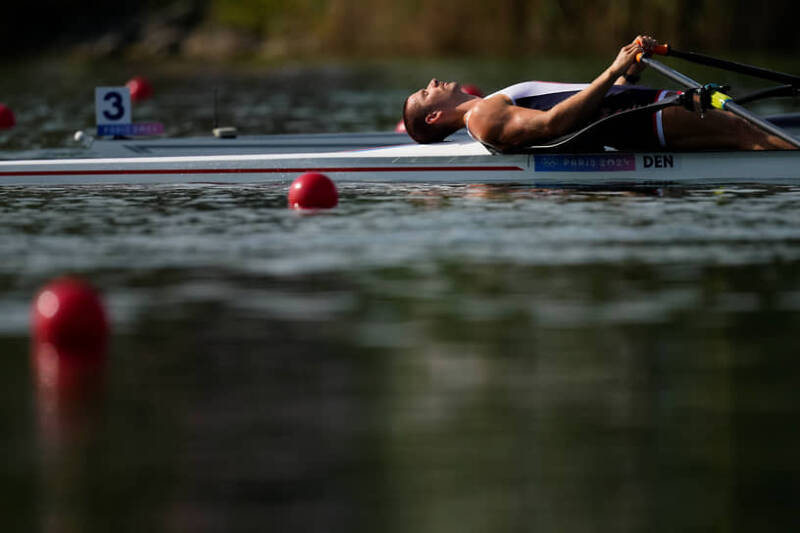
x=112 y=106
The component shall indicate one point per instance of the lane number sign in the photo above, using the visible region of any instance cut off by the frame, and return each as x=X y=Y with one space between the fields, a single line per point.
x=112 y=106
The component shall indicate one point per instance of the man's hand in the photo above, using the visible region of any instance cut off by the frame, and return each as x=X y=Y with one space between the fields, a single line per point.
x=644 y=44
x=625 y=58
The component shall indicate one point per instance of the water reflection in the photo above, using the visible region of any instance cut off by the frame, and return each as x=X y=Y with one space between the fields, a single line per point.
x=69 y=386
x=69 y=390
x=465 y=397
x=460 y=399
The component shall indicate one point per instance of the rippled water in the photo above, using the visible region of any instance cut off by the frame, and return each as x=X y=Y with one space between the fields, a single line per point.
x=421 y=358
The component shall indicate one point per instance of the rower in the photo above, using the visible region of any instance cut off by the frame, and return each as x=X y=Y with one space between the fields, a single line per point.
x=535 y=113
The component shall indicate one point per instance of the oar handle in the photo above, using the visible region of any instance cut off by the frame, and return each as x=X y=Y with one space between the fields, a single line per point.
x=659 y=49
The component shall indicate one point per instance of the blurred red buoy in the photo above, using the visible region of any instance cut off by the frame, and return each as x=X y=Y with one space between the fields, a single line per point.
x=140 y=88
x=7 y=119
x=401 y=127
x=313 y=190
x=69 y=314
x=471 y=89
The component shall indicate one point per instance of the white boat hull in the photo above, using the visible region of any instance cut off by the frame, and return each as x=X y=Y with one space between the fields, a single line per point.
x=460 y=161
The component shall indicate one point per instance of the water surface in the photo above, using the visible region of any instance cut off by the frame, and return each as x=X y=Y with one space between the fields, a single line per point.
x=421 y=358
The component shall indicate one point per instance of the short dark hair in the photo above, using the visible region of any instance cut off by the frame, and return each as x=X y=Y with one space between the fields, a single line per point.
x=419 y=130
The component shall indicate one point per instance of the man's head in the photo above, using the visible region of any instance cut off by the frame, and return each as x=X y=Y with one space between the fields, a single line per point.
x=430 y=114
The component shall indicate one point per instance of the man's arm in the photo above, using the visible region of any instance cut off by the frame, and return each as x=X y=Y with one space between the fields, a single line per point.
x=631 y=76
x=505 y=127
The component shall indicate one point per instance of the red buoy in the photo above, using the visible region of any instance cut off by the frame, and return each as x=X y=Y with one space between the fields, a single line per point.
x=472 y=89
x=313 y=190
x=140 y=88
x=69 y=314
x=7 y=120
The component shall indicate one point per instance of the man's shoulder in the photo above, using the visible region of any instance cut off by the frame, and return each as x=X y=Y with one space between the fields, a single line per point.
x=495 y=100
x=492 y=111
x=498 y=122
x=490 y=108
x=487 y=116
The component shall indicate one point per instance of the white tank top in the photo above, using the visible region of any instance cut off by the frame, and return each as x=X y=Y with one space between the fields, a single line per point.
x=520 y=92
x=540 y=95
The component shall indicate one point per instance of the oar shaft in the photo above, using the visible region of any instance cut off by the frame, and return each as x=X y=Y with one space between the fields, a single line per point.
x=769 y=127
x=721 y=101
x=742 y=68
x=672 y=74
x=780 y=90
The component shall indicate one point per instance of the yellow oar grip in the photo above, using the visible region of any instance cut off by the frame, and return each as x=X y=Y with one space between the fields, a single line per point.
x=718 y=100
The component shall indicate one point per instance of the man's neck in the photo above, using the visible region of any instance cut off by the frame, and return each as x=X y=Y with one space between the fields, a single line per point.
x=465 y=107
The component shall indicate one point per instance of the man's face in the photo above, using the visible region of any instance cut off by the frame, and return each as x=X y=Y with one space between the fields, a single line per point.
x=438 y=95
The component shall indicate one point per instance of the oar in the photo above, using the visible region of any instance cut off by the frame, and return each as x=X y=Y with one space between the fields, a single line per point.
x=720 y=100
x=750 y=70
x=769 y=92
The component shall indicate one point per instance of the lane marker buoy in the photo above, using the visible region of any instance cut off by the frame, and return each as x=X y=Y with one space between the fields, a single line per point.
x=68 y=313
x=7 y=120
x=140 y=88
x=469 y=88
x=313 y=190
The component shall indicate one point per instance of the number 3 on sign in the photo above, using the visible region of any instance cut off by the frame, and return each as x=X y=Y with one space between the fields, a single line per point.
x=112 y=105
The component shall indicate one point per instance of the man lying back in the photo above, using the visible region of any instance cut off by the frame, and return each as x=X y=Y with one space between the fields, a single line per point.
x=536 y=112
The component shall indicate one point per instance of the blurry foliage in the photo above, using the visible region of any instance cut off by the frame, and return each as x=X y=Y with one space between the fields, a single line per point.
x=430 y=27
x=506 y=27
x=267 y=16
